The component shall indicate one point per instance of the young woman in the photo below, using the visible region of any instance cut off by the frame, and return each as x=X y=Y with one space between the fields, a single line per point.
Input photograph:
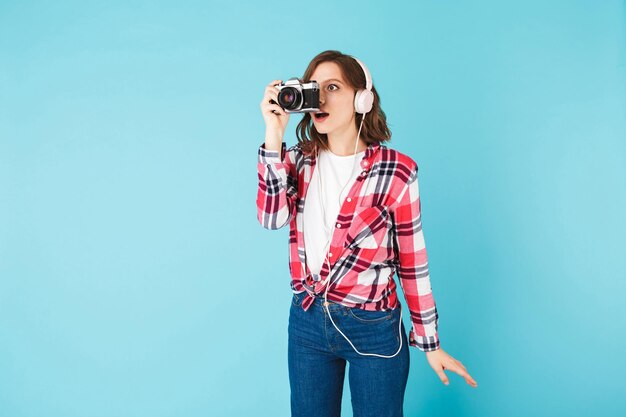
x=353 y=207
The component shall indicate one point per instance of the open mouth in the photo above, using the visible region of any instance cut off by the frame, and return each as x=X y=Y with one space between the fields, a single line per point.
x=321 y=116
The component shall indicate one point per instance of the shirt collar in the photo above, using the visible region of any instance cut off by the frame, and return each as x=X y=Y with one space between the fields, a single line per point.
x=371 y=151
x=370 y=155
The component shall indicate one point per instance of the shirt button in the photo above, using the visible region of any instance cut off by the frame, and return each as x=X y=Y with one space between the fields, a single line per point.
x=348 y=199
x=365 y=163
x=364 y=173
x=338 y=226
x=330 y=255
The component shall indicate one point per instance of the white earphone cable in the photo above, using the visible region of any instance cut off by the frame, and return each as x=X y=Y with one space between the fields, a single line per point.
x=327 y=246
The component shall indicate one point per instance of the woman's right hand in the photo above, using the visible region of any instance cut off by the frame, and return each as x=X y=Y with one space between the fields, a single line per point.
x=275 y=117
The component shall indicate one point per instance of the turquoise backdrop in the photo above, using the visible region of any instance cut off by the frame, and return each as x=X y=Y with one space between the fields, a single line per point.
x=135 y=279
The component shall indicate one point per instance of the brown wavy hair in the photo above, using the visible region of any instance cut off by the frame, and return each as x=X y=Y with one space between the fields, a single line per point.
x=374 y=128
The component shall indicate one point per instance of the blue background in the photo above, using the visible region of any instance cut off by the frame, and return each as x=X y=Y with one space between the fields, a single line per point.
x=135 y=279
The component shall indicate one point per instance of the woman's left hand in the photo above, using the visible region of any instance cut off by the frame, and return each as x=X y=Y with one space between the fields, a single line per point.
x=440 y=360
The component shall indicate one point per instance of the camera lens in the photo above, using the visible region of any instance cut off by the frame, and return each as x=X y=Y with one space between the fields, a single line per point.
x=289 y=98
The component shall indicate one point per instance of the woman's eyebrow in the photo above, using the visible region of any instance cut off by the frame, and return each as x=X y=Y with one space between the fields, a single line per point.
x=332 y=79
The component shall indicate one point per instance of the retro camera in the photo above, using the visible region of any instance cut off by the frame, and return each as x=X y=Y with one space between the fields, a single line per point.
x=297 y=97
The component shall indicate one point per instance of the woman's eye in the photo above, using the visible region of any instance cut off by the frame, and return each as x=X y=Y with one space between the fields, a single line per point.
x=333 y=86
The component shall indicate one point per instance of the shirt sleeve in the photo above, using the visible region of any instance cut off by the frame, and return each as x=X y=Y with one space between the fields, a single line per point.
x=413 y=268
x=277 y=192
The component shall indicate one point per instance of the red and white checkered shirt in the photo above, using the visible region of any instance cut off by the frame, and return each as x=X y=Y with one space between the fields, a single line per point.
x=378 y=232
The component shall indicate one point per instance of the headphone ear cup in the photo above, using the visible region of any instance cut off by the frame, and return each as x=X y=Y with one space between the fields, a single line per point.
x=363 y=101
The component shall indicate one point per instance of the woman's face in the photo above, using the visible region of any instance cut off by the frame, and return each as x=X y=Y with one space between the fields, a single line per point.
x=336 y=99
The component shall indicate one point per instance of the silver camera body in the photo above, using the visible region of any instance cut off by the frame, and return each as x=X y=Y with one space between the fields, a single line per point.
x=297 y=97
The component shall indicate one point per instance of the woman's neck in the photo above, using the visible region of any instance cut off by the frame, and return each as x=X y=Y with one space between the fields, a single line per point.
x=342 y=143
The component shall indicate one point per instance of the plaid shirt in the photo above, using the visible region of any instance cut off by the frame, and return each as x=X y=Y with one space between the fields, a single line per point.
x=378 y=231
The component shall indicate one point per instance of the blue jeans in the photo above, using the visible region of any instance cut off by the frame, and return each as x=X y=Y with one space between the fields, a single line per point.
x=317 y=355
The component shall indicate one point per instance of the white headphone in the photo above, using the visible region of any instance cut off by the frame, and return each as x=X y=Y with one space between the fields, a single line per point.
x=363 y=101
x=364 y=98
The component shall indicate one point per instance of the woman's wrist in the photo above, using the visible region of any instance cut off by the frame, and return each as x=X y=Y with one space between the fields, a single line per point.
x=273 y=140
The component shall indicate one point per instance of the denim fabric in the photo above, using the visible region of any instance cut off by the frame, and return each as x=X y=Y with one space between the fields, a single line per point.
x=317 y=355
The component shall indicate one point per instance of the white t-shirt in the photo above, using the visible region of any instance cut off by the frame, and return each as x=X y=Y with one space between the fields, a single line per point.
x=336 y=171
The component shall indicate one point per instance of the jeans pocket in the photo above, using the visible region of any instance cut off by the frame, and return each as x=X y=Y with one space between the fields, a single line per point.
x=296 y=300
x=367 y=316
x=373 y=332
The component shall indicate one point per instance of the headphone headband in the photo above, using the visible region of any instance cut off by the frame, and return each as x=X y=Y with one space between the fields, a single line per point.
x=364 y=98
x=368 y=77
